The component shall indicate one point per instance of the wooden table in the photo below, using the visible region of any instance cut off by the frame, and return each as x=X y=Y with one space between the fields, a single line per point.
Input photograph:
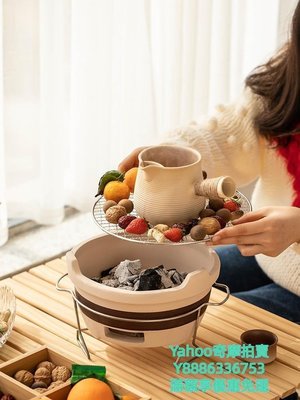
x=45 y=316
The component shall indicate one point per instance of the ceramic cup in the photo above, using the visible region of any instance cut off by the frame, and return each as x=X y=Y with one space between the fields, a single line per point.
x=260 y=336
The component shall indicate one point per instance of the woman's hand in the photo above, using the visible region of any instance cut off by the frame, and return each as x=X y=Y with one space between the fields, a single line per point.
x=268 y=231
x=131 y=160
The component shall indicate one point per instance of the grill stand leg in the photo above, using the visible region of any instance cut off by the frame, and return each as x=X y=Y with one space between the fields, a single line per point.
x=79 y=335
x=220 y=285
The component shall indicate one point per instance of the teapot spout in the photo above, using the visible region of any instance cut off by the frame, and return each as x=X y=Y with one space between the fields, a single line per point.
x=149 y=169
x=144 y=164
x=221 y=187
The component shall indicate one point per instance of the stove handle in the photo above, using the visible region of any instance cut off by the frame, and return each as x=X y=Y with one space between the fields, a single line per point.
x=218 y=285
x=221 y=285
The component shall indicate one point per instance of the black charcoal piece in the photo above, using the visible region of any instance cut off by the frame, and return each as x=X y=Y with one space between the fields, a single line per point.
x=132 y=278
x=129 y=275
x=106 y=272
x=149 y=280
x=134 y=267
x=136 y=284
x=171 y=272
x=166 y=281
x=126 y=287
x=159 y=267
x=176 y=278
x=122 y=272
x=127 y=268
x=110 y=282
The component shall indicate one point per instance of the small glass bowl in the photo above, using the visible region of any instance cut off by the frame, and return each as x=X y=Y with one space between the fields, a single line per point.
x=7 y=313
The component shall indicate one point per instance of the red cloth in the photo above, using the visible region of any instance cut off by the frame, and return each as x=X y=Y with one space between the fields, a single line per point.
x=291 y=154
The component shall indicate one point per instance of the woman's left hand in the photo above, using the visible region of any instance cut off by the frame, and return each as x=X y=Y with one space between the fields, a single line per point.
x=269 y=231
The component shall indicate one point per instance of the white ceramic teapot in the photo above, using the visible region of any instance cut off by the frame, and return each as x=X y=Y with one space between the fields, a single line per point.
x=170 y=188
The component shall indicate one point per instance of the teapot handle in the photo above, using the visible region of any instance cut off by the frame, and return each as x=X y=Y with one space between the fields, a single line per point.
x=221 y=187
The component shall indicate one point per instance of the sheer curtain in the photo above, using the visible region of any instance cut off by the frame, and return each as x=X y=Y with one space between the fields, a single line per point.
x=85 y=81
x=3 y=212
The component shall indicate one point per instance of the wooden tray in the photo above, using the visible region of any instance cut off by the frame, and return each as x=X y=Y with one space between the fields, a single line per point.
x=29 y=360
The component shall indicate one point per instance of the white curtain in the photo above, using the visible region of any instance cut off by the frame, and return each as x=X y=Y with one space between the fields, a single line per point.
x=3 y=212
x=86 y=81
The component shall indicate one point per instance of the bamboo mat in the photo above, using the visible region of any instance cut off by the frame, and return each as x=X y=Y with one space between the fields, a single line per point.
x=46 y=317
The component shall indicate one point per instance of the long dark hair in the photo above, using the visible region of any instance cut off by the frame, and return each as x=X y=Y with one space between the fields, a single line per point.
x=278 y=84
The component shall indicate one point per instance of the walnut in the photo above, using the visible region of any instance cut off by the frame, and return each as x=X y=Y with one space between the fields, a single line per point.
x=55 y=384
x=114 y=213
x=61 y=373
x=42 y=375
x=24 y=377
x=46 y=364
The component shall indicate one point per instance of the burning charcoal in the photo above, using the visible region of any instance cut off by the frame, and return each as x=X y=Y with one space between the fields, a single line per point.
x=149 y=280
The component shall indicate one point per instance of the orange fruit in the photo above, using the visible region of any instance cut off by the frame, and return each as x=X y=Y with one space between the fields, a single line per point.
x=91 y=389
x=130 y=177
x=116 y=191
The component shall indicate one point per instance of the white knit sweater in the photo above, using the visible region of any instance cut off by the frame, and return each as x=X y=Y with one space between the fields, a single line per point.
x=230 y=145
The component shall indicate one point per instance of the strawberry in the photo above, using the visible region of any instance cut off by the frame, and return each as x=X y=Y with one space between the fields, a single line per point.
x=138 y=226
x=174 y=234
x=231 y=205
x=181 y=226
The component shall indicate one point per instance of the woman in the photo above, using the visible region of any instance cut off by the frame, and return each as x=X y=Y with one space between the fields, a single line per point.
x=258 y=137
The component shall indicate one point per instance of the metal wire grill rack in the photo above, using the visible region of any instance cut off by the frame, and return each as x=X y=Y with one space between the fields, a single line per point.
x=115 y=230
